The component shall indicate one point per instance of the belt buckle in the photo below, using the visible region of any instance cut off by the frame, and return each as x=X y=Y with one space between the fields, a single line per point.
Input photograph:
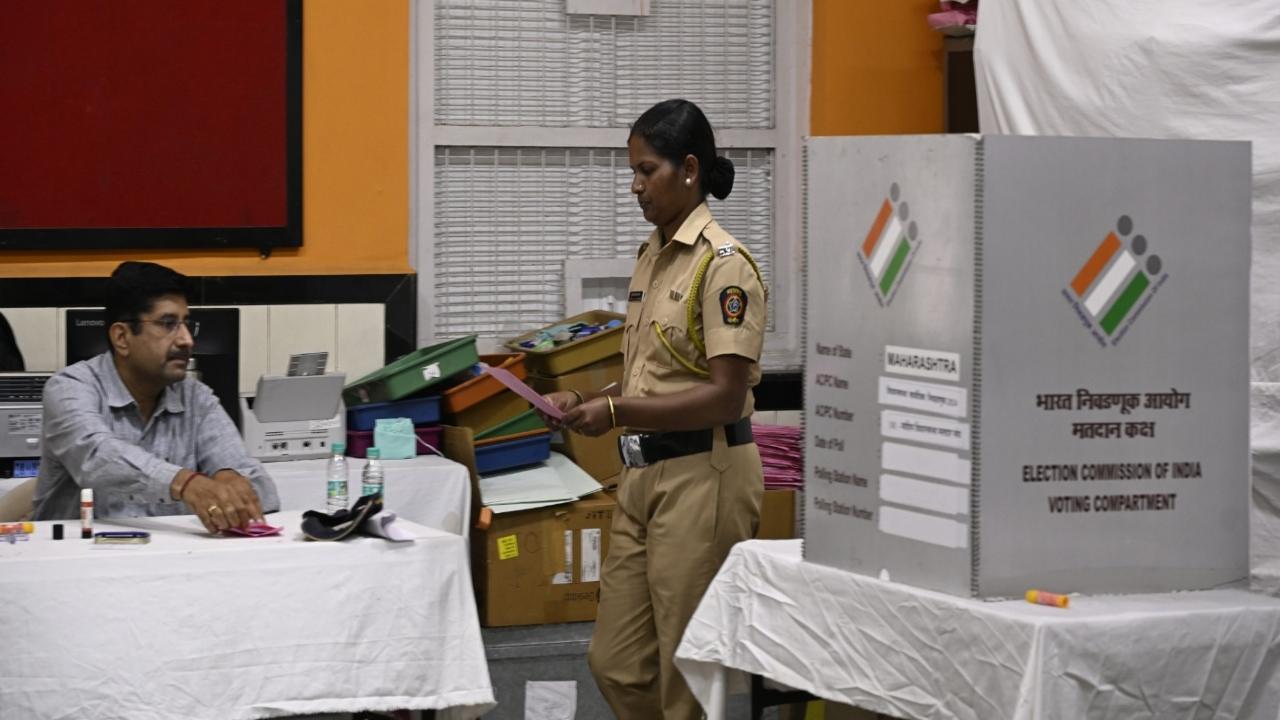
x=632 y=454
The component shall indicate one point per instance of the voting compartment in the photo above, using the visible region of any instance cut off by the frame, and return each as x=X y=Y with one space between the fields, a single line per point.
x=1027 y=362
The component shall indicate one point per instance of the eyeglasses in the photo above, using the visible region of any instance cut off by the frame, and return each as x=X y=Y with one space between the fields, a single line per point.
x=170 y=325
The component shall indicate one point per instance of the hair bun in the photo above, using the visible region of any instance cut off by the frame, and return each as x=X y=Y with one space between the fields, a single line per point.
x=720 y=178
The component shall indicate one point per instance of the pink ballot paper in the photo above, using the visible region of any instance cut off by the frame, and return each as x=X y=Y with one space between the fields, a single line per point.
x=517 y=386
x=254 y=530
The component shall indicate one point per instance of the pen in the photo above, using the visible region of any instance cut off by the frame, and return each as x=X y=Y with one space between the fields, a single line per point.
x=1041 y=597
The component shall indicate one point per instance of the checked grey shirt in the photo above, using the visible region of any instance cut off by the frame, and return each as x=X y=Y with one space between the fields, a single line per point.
x=94 y=437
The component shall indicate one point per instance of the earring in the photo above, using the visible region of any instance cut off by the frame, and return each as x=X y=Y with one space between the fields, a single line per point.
x=688 y=181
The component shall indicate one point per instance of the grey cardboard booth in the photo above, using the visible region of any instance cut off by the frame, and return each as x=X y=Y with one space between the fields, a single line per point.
x=1027 y=362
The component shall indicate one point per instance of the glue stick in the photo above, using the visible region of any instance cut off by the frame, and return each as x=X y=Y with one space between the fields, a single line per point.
x=1041 y=597
x=86 y=514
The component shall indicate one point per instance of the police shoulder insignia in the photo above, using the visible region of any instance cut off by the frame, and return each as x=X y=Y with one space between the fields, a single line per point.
x=725 y=250
x=733 y=304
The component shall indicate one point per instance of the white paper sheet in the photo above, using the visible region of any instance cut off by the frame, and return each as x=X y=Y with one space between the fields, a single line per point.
x=554 y=482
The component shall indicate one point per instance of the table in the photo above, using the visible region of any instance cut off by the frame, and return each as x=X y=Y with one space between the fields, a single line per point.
x=914 y=653
x=195 y=626
x=428 y=489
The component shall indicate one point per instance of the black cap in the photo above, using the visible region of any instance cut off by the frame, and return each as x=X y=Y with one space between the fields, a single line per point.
x=57 y=531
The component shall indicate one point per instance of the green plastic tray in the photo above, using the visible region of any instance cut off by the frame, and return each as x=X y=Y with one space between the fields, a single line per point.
x=413 y=373
x=524 y=422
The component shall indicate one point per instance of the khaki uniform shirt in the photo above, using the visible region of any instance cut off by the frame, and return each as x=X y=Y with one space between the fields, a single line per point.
x=730 y=313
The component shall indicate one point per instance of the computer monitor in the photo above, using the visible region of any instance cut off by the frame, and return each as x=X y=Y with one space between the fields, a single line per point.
x=217 y=349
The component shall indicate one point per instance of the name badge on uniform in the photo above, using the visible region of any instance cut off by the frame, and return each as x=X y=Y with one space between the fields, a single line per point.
x=635 y=296
x=733 y=305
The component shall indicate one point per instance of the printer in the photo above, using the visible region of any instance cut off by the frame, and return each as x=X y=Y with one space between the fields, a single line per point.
x=21 y=416
x=294 y=416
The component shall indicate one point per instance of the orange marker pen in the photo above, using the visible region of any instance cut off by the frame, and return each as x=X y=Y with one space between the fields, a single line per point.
x=1041 y=597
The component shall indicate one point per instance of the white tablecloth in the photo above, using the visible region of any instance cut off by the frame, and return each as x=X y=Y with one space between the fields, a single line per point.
x=913 y=653
x=428 y=489
x=194 y=626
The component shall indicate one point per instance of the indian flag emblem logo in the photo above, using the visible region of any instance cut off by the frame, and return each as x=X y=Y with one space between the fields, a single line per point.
x=1116 y=283
x=889 y=246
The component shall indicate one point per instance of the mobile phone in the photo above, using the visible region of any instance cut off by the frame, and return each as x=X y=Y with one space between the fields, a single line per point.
x=123 y=537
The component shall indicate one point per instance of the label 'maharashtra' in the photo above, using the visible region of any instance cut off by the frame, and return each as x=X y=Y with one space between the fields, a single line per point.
x=935 y=364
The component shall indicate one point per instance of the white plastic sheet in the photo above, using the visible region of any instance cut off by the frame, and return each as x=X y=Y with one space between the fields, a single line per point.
x=1164 y=69
x=914 y=653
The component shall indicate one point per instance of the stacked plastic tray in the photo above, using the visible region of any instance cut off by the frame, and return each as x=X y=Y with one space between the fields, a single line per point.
x=407 y=388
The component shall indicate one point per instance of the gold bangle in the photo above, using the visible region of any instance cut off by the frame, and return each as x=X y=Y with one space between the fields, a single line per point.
x=613 y=416
x=579 y=396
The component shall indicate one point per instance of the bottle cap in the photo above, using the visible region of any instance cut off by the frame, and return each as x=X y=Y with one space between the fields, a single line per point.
x=86 y=495
x=373 y=453
x=339 y=448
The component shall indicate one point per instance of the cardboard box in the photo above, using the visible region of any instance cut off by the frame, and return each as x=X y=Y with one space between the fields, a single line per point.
x=542 y=566
x=777 y=515
x=599 y=455
x=1027 y=362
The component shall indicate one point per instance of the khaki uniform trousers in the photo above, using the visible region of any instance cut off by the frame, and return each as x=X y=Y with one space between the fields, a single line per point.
x=678 y=520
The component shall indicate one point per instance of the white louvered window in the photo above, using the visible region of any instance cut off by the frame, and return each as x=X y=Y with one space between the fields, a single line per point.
x=521 y=162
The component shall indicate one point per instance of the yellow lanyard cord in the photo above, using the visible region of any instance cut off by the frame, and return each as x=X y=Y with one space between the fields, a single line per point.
x=692 y=305
x=662 y=336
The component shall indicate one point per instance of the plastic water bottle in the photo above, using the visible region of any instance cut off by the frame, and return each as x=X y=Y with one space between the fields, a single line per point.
x=336 y=479
x=371 y=478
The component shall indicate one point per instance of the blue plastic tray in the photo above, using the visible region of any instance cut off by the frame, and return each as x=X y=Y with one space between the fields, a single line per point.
x=504 y=455
x=421 y=411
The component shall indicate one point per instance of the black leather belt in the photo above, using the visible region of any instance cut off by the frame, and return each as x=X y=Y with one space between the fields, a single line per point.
x=641 y=449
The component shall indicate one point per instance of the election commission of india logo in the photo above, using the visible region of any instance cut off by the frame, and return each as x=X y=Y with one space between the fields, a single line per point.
x=889 y=246
x=1115 y=284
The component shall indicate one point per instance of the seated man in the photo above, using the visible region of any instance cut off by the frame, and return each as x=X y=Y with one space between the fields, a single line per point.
x=130 y=424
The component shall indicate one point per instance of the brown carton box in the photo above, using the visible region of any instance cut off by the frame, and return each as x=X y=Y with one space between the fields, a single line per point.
x=542 y=566
x=599 y=455
x=777 y=515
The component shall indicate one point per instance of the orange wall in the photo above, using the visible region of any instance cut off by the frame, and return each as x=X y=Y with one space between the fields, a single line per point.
x=877 y=68
x=355 y=160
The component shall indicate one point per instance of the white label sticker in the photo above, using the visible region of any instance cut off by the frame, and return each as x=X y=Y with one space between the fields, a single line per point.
x=931 y=496
x=590 y=554
x=329 y=424
x=925 y=528
x=924 y=429
x=566 y=577
x=431 y=372
x=24 y=423
x=935 y=364
x=923 y=461
x=930 y=397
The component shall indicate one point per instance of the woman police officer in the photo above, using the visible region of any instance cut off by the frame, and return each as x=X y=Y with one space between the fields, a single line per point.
x=692 y=484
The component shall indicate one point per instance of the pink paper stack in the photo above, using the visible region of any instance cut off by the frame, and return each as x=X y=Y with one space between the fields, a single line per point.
x=782 y=455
